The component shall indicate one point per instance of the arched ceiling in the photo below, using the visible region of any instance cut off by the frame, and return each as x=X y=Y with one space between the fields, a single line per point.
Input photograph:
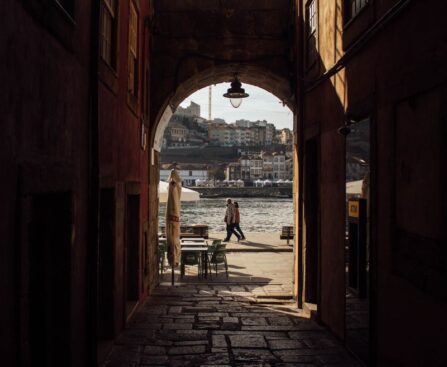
x=196 y=43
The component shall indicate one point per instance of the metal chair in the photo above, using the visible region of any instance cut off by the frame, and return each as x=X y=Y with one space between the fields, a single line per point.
x=190 y=259
x=162 y=249
x=211 y=249
x=219 y=257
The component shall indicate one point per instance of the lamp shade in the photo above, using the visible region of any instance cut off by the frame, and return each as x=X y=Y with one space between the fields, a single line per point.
x=236 y=102
x=236 y=93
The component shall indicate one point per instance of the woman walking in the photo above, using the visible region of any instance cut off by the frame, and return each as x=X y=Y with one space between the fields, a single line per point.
x=230 y=220
x=237 y=220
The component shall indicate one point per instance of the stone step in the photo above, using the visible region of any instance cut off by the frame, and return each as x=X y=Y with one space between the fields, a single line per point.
x=311 y=310
x=280 y=299
x=283 y=296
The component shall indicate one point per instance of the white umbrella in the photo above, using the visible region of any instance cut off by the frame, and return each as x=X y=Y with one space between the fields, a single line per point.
x=173 y=220
x=186 y=195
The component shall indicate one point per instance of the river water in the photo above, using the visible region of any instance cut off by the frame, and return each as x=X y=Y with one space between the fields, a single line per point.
x=257 y=214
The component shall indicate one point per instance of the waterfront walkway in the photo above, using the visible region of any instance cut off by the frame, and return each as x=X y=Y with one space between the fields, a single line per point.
x=256 y=241
x=249 y=319
x=263 y=259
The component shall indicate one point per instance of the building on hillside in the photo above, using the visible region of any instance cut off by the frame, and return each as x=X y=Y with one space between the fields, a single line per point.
x=233 y=171
x=286 y=136
x=258 y=135
x=176 y=134
x=289 y=169
x=264 y=165
x=192 y=110
x=267 y=165
x=202 y=125
x=219 y=121
x=243 y=123
x=270 y=133
x=245 y=167
x=218 y=135
x=279 y=166
x=243 y=133
x=256 y=168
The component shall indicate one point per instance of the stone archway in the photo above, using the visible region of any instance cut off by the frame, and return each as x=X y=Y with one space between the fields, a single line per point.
x=195 y=44
x=249 y=74
x=198 y=43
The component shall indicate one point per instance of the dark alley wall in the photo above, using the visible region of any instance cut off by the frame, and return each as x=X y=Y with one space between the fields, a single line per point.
x=396 y=78
x=406 y=97
x=44 y=167
x=124 y=173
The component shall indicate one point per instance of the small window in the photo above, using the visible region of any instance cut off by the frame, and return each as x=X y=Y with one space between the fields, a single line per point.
x=108 y=31
x=353 y=7
x=312 y=24
x=133 y=51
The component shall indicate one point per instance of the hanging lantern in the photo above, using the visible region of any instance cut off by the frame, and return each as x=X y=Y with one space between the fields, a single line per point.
x=236 y=93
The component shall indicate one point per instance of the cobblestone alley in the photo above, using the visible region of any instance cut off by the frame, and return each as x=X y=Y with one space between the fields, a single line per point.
x=223 y=325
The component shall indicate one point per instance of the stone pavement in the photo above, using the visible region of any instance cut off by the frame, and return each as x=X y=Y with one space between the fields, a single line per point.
x=249 y=319
x=222 y=325
x=273 y=270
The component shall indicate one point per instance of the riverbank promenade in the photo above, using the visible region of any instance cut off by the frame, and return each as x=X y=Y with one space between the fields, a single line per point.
x=263 y=263
x=255 y=242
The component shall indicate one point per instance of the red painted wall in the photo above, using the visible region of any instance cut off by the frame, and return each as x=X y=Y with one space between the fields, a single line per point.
x=44 y=150
x=123 y=160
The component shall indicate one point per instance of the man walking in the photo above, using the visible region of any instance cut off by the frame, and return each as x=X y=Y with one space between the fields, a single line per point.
x=230 y=220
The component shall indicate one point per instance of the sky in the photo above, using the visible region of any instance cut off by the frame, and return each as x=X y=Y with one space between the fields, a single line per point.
x=260 y=105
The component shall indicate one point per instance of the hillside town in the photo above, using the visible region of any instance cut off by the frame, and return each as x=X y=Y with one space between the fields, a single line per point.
x=217 y=153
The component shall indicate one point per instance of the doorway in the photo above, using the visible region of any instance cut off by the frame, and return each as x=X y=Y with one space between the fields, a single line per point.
x=50 y=279
x=106 y=264
x=357 y=249
x=311 y=208
x=132 y=270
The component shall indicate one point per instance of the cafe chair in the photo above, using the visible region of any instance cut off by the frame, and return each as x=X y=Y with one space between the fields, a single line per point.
x=162 y=249
x=190 y=259
x=219 y=257
x=210 y=251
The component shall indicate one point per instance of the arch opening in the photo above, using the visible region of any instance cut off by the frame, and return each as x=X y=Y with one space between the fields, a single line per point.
x=253 y=75
x=218 y=209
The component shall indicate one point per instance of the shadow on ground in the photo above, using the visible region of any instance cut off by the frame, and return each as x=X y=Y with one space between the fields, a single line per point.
x=223 y=325
x=191 y=276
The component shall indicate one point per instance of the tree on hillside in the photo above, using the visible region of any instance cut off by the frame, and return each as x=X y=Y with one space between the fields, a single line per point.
x=216 y=173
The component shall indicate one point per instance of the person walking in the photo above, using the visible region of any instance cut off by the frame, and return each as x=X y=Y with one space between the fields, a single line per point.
x=230 y=220
x=237 y=227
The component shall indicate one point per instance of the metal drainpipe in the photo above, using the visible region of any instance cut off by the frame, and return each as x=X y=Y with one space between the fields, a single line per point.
x=93 y=190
